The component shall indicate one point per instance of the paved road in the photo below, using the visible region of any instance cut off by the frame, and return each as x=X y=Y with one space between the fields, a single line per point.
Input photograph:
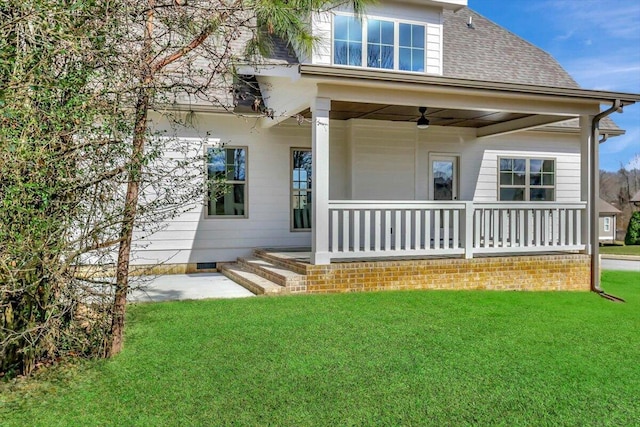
x=619 y=264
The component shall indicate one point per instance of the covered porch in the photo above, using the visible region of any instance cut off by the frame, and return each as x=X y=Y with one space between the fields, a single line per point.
x=467 y=225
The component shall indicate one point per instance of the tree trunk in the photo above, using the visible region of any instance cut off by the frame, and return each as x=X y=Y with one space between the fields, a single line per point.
x=128 y=221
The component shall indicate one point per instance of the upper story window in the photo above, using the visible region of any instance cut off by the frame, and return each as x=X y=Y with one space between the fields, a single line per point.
x=380 y=44
x=390 y=44
x=411 y=47
x=347 y=44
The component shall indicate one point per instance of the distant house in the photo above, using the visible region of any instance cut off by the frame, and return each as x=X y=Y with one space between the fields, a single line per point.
x=636 y=199
x=607 y=227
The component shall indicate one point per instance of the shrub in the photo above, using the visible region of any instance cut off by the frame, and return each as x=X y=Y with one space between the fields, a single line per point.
x=633 y=230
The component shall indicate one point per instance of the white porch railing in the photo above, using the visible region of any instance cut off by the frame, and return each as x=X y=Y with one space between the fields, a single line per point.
x=527 y=227
x=359 y=229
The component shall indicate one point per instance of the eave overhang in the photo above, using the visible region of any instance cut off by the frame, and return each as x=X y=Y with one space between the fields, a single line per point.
x=341 y=75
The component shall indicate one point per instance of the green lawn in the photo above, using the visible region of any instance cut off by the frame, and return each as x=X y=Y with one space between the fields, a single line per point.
x=621 y=250
x=388 y=358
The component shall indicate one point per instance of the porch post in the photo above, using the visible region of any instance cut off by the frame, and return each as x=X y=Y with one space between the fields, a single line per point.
x=320 y=178
x=585 y=181
x=468 y=230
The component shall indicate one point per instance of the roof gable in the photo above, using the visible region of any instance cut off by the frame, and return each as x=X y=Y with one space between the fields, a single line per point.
x=606 y=208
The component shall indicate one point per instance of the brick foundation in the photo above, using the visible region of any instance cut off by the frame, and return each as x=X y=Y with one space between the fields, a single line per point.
x=567 y=272
x=143 y=270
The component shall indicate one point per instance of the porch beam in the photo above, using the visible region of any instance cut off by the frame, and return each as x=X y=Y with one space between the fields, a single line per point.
x=320 y=108
x=475 y=100
x=518 y=125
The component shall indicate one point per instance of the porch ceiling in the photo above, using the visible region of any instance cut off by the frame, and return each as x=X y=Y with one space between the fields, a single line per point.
x=344 y=110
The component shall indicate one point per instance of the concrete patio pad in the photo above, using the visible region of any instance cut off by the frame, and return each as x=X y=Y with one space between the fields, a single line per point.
x=185 y=286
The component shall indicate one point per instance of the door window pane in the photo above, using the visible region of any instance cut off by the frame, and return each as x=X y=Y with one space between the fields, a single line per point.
x=443 y=179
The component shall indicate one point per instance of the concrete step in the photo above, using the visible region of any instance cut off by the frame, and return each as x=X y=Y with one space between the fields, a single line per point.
x=291 y=280
x=250 y=280
x=280 y=261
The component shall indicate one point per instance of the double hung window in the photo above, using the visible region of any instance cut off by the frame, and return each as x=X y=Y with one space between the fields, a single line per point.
x=411 y=47
x=380 y=44
x=227 y=181
x=347 y=40
x=526 y=179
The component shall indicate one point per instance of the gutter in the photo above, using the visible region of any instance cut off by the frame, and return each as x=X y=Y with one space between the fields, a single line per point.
x=593 y=200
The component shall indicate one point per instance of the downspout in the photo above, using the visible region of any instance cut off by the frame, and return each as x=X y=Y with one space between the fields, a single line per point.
x=593 y=198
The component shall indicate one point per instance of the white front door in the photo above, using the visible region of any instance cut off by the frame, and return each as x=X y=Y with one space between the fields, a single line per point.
x=443 y=177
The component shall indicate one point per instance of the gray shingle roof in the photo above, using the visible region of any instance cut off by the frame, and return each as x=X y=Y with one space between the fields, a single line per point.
x=606 y=208
x=485 y=52
x=281 y=52
x=605 y=124
x=490 y=52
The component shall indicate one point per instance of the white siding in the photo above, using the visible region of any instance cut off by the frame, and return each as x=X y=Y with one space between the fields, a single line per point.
x=321 y=28
x=194 y=238
x=564 y=149
x=383 y=161
x=430 y=16
x=369 y=160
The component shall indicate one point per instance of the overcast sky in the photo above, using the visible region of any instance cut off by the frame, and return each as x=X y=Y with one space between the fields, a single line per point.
x=596 y=41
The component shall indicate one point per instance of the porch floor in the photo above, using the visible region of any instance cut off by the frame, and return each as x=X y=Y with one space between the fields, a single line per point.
x=302 y=255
